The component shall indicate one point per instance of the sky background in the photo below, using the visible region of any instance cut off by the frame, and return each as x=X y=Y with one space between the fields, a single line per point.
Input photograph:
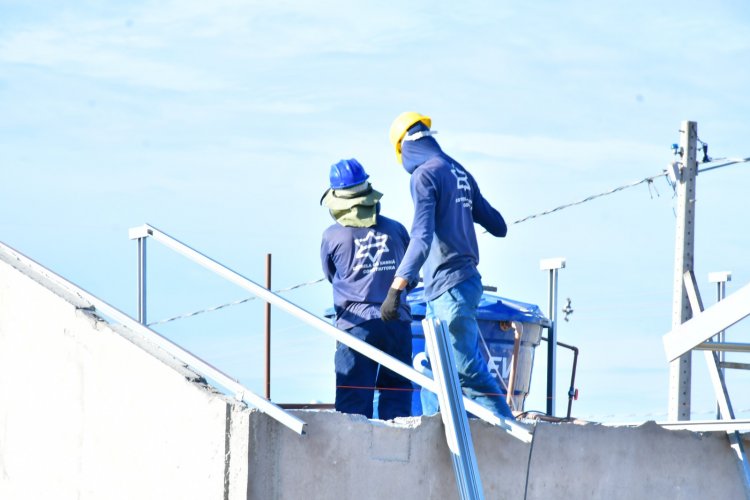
x=217 y=122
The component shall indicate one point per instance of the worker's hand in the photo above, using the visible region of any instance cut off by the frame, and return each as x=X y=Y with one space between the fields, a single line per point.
x=389 y=308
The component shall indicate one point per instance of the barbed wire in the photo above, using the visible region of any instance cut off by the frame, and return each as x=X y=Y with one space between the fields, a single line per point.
x=233 y=303
x=646 y=180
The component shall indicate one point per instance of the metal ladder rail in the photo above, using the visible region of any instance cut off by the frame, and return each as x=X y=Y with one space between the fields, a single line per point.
x=719 y=384
x=513 y=428
x=240 y=392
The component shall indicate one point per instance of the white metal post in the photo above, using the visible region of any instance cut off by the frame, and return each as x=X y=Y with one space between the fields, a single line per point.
x=553 y=266
x=720 y=278
x=680 y=370
x=140 y=234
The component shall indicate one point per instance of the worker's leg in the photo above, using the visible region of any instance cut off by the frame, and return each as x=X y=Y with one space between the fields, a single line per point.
x=457 y=308
x=395 y=390
x=355 y=375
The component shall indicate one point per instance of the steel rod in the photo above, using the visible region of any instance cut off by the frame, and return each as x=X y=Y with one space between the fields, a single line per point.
x=268 y=329
x=510 y=426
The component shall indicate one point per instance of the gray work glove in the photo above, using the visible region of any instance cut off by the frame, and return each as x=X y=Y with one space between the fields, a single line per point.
x=389 y=308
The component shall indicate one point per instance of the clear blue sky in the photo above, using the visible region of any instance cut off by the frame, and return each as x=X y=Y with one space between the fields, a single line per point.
x=216 y=122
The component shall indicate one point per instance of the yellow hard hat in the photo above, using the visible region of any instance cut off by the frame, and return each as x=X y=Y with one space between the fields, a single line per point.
x=401 y=124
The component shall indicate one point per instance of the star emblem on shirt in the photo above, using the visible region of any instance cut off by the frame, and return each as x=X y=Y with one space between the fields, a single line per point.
x=461 y=178
x=371 y=241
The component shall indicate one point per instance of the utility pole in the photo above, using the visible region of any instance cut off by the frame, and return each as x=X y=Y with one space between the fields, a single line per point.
x=680 y=369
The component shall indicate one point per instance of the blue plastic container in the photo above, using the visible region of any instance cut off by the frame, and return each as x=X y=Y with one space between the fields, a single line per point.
x=496 y=343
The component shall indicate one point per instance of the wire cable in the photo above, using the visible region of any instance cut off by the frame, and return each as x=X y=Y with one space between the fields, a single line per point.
x=234 y=303
x=646 y=180
x=732 y=161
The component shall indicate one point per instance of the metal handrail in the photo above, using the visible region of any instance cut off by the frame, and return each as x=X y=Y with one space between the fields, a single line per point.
x=515 y=429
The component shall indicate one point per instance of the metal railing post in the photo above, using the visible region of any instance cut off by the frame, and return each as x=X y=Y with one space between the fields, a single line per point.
x=268 y=329
x=141 y=235
x=720 y=278
x=553 y=266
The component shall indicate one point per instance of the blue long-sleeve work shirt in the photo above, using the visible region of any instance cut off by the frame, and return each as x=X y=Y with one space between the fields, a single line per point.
x=361 y=263
x=447 y=203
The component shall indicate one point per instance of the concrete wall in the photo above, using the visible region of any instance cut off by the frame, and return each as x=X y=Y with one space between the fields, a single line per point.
x=87 y=412
x=345 y=456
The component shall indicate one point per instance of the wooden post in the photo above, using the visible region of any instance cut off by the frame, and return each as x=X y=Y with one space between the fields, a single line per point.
x=680 y=370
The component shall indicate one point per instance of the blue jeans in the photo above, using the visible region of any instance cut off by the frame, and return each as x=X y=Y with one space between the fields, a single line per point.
x=457 y=308
x=357 y=376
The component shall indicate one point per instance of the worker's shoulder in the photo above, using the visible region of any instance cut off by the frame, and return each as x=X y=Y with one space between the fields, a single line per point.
x=436 y=162
x=334 y=230
x=388 y=224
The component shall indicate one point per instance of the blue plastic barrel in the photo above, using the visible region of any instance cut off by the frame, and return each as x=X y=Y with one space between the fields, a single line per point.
x=496 y=343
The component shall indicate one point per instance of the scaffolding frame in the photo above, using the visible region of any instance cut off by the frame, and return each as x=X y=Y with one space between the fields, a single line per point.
x=695 y=332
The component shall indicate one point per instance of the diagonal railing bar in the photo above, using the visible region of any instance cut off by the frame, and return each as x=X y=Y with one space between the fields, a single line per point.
x=513 y=428
x=708 y=323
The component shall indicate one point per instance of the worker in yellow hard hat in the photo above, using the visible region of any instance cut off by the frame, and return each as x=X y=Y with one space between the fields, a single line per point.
x=443 y=244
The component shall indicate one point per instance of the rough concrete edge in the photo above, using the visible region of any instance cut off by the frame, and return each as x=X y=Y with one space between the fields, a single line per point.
x=13 y=259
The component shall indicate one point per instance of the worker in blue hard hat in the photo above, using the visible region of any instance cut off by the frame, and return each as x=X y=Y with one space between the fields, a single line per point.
x=447 y=203
x=360 y=253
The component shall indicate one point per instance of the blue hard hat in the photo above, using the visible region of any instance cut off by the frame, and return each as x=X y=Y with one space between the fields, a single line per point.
x=347 y=173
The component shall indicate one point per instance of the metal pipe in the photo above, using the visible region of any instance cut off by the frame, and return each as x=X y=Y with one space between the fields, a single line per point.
x=723 y=346
x=572 y=389
x=140 y=234
x=453 y=414
x=514 y=428
x=552 y=265
x=517 y=334
x=552 y=344
x=720 y=278
x=268 y=329
x=142 y=280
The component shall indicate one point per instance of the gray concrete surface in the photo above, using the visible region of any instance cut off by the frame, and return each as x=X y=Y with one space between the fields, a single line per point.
x=346 y=456
x=88 y=411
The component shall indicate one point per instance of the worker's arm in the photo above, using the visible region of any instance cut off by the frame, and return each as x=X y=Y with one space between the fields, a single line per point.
x=326 y=260
x=484 y=214
x=423 y=227
x=424 y=194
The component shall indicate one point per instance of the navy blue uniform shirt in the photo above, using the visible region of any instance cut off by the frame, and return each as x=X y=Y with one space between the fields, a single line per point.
x=447 y=203
x=361 y=263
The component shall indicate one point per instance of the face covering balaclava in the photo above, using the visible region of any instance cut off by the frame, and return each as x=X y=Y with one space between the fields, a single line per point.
x=357 y=206
x=415 y=153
